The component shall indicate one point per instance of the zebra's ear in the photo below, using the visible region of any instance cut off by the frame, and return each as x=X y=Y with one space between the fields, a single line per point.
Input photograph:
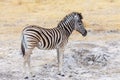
x=80 y=15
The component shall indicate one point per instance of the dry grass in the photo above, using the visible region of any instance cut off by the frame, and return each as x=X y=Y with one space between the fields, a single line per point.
x=100 y=15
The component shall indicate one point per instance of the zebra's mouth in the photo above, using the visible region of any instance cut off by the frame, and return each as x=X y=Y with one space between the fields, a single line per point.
x=85 y=33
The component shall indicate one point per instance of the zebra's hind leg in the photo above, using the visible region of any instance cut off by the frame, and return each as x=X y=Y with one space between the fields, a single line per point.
x=60 y=53
x=27 y=64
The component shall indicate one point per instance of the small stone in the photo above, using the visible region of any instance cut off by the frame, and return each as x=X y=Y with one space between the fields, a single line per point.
x=33 y=76
x=70 y=76
x=26 y=77
x=61 y=75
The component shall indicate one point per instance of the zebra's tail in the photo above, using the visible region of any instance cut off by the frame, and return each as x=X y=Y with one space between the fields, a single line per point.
x=22 y=47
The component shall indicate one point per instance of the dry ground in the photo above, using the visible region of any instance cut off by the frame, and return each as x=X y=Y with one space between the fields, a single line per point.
x=94 y=57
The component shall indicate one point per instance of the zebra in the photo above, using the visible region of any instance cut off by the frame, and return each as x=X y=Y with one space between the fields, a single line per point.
x=54 y=38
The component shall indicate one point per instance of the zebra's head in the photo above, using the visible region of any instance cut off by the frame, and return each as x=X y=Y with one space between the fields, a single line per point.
x=79 y=26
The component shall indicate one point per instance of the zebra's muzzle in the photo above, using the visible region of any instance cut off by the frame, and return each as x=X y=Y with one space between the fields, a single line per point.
x=85 y=33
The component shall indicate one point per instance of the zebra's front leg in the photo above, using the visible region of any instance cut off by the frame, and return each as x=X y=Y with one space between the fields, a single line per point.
x=60 y=53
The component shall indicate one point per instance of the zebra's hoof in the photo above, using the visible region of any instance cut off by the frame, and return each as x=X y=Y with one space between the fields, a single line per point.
x=33 y=76
x=26 y=77
x=61 y=74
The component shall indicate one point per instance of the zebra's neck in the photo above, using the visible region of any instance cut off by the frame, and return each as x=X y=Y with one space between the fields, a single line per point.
x=67 y=26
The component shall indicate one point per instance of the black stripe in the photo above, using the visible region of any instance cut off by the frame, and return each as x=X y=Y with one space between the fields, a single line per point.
x=31 y=41
x=56 y=32
x=50 y=40
x=46 y=39
x=67 y=31
x=70 y=26
x=59 y=36
x=53 y=42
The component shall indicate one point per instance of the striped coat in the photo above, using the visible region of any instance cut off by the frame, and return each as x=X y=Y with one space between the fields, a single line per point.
x=54 y=38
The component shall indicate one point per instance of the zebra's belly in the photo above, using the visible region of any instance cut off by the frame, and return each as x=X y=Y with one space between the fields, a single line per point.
x=43 y=48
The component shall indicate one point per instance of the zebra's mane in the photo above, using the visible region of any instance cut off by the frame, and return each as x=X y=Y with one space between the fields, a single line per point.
x=71 y=15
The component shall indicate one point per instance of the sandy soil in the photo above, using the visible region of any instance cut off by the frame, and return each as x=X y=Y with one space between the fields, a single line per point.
x=94 y=57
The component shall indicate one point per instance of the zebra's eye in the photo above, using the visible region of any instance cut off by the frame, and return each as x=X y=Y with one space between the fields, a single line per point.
x=80 y=22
